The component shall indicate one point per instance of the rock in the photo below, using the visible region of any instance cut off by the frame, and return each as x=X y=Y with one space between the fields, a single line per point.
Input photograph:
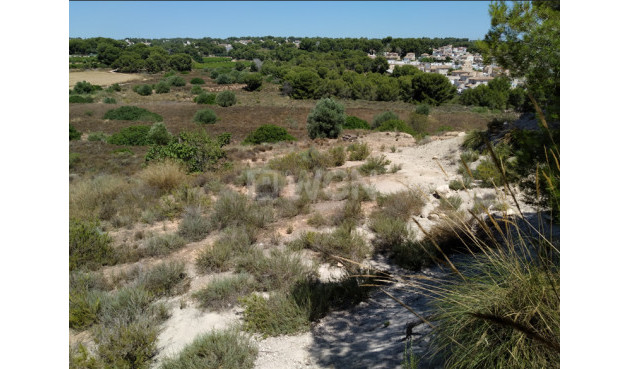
x=443 y=190
x=434 y=217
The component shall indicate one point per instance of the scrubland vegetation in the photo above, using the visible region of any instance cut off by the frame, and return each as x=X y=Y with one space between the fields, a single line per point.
x=271 y=185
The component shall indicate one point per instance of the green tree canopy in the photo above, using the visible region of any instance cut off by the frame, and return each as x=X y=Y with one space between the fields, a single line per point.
x=432 y=88
x=326 y=119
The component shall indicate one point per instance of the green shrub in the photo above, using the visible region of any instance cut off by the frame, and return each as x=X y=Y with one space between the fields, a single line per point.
x=197 y=81
x=89 y=247
x=162 y=245
x=165 y=279
x=215 y=350
x=175 y=81
x=389 y=230
x=326 y=119
x=162 y=88
x=358 y=151
x=74 y=158
x=114 y=88
x=224 y=79
x=197 y=150
x=194 y=226
x=254 y=81
x=81 y=99
x=130 y=345
x=450 y=203
x=296 y=162
x=143 y=90
x=205 y=98
x=374 y=165
x=132 y=113
x=226 y=98
x=109 y=100
x=223 y=293
x=85 y=87
x=423 y=109
x=402 y=204
x=158 y=135
x=273 y=317
x=85 y=306
x=460 y=184
x=205 y=116
x=97 y=136
x=269 y=184
x=353 y=122
x=80 y=358
x=474 y=140
x=74 y=134
x=396 y=126
x=268 y=133
x=132 y=135
x=196 y=90
x=383 y=117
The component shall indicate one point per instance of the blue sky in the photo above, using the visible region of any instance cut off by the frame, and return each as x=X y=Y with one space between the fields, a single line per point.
x=221 y=19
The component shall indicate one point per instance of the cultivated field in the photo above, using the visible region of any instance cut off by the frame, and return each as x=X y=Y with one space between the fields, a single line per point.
x=101 y=78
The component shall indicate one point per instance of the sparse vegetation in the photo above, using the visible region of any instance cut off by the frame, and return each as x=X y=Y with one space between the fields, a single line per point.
x=374 y=165
x=74 y=134
x=268 y=133
x=223 y=293
x=358 y=151
x=194 y=226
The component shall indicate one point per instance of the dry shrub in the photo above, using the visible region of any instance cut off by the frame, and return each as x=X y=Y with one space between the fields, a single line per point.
x=92 y=198
x=164 y=176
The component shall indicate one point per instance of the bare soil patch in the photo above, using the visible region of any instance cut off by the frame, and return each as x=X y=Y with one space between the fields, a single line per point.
x=102 y=78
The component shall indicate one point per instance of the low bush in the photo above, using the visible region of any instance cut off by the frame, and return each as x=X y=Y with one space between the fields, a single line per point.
x=197 y=81
x=85 y=306
x=358 y=151
x=374 y=165
x=254 y=81
x=423 y=109
x=205 y=98
x=460 y=184
x=74 y=158
x=109 y=100
x=78 y=99
x=97 y=136
x=353 y=122
x=383 y=117
x=402 y=204
x=269 y=184
x=268 y=133
x=288 y=208
x=132 y=135
x=89 y=247
x=215 y=350
x=224 y=79
x=196 y=90
x=176 y=81
x=474 y=140
x=326 y=119
x=469 y=156
x=74 y=134
x=295 y=163
x=226 y=98
x=450 y=203
x=162 y=88
x=130 y=345
x=194 y=226
x=132 y=113
x=85 y=87
x=158 y=134
x=164 y=176
x=162 y=245
x=223 y=293
x=165 y=279
x=197 y=150
x=114 y=88
x=395 y=125
x=205 y=116
x=143 y=90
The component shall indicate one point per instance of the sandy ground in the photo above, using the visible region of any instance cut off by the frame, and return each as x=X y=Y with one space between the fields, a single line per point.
x=370 y=335
x=102 y=78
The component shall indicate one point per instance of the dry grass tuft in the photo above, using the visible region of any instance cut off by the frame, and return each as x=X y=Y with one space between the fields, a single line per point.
x=165 y=176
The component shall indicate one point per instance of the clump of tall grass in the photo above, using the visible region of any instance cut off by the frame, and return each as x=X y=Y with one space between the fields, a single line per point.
x=232 y=208
x=219 y=257
x=402 y=204
x=358 y=151
x=295 y=163
x=278 y=271
x=90 y=248
x=194 y=226
x=228 y=349
x=165 y=279
x=280 y=314
x=223 y=293
x=165 y=175
x=374 y=165
x=343 y=242
x=160 y=245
